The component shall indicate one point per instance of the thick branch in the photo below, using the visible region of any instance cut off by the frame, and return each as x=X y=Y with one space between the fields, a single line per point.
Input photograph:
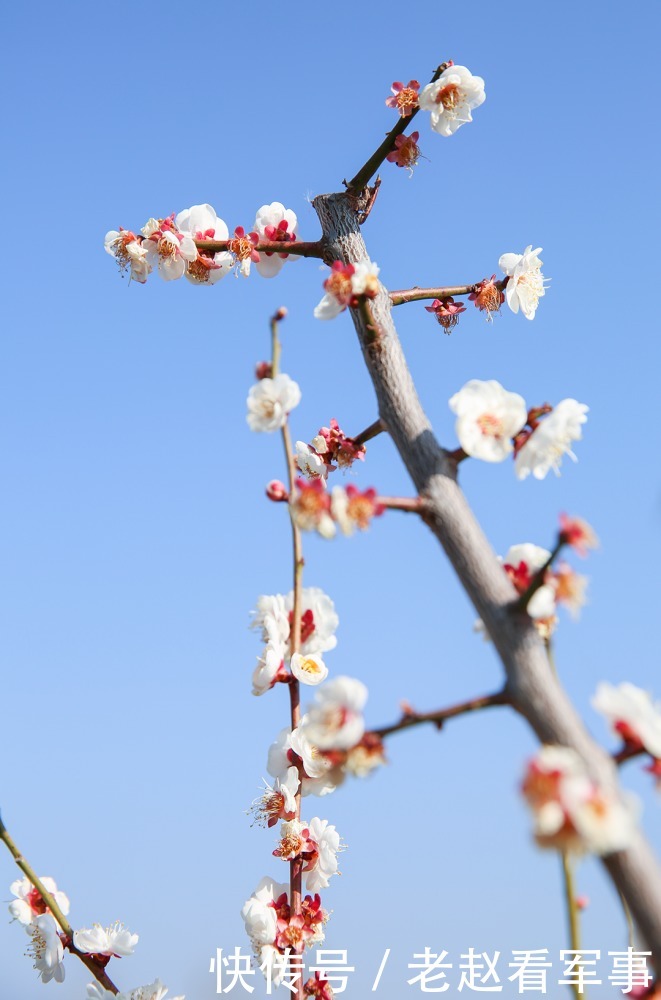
x=533 y=689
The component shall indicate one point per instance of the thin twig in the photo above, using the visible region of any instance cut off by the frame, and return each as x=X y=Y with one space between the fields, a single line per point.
x=572 y=914
x=411 y=718
x=378 y=427
x=298 y=249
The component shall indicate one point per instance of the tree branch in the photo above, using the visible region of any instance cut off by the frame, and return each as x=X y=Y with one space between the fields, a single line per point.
x=411 y=718
x=533 y=690
x=296 y=248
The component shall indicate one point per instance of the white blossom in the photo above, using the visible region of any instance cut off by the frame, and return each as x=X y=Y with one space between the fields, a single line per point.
x=325 y=862
x=317 y=634
x=170 y=252
x=128 y=252
x=452 y=98
x=46 y=948
x=309 y=670
x=551 y=439
x=542 y=603
x=334 y=721
x=274 y=222
x=310 y=463
x=266 y=671
x=97 y=940
x=259 y=917
x=200 y=222
x=270 y=401
x=488 y=418
x=526 y=281
x=29 y=904
x=631 y=714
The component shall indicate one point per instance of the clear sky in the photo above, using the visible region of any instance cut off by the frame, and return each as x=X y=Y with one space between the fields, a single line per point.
x=135 y=534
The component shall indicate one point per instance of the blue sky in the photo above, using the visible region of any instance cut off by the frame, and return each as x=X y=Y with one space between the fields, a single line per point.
x=135 y=535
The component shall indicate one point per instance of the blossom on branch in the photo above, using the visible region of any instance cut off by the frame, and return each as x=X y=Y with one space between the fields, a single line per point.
x=406 y=152
x=541 y=449
x=46 y=948
x=97 y=940
x=404 y=97
x=578 y=534
x=28 y=905
x=319 y=621
x=446 y=311
x=321 y=863
x=521 y=564
x=270 y=401
x=310 y=670
x=353 y=509
x=525 y=285
x=201 y=223
x=242 y=246
x=346 y=284
x=570 y=811
x=310 y=462
x=488 y=418
x=128 y=251
x=277 y=224
x=278 y=802
x=632 y=715
x=487 y=297
x=166 y=248
x=310 y=506
x=335 y=721
x=452 y=98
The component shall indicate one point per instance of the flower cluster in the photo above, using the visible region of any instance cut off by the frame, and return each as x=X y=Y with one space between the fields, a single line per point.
x=313 y=508
x=272 y=928
x=347 y=284
x=48 y=942
x=273 y=617
x=571 y=812
x=493 y=424
x=634 y=717
x=561 y=584
x=330 y=445
x=169 y=245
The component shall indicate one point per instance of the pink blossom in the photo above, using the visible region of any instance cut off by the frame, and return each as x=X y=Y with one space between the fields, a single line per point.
x=404 y=98
x=446 y=311
x=406 y=152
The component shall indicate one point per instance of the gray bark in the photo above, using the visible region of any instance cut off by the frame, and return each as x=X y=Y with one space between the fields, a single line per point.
x=534 y=690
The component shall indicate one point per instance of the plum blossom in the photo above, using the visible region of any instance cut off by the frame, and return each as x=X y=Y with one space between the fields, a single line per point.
x=406 y=152
x=277 y=224
x=488 y=417
x=322 y=865
x=167 y=248
x=270 y=401
x=269 y=670
x=310 y=462
x=521 y=564
x=578 y=534
x=259 y=913
x=319 y=776
x=335 y=446
x=310 y=670
x=46 y=948
x=452 y=98
x=404 y=97
x=631 y=714
x=347 y=282
x=570 y=811
x=242 y=246
x=310 y=506
x=97 y=940
x=487 y=297
x=28 y=905
x=128 y=251
x=277 y=801
x=294 y=840
x=319 y=620
x=154 y=991
x=525 y=285
x=569 y=587
x=335 y=721
x=446 y=311
x=353 y=509
x=543 y=448
x=200 y=222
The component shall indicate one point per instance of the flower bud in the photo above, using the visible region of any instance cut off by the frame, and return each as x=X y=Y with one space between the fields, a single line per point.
x=277 y=491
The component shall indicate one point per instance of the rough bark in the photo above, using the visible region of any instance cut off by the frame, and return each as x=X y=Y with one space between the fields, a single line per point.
x=534 y=690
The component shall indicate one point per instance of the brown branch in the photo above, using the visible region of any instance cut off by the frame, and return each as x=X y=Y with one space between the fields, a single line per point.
x=411 y=718
x=360 y=181
x=416 y=294
x=296 y=248
x=411 y=505
x=378 y=427
x=533 y=690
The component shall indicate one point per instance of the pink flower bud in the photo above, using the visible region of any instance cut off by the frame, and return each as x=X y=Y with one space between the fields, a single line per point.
x=264 y=369
x=277 y=491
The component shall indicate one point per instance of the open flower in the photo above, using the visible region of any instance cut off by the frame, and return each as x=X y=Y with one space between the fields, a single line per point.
x=353 y=508
x=521 y=564
x=28 y=903
x=404 y=97
x=201 y=223
x=167 y=249
x=259 y=913
x=452 y=98
x=631 y=714
x=242 y=246
x=335 y=720
x=278 y=801
x=321 y=865
x=570 y=811
x=277 y=224
x=345 y=285
x=270 y=401
x=310 y=462
x=446 y=311
x=525 y=286
x=97 y=940
x=46 y=948
x=310 y=505
x=578 y=534
x=406 y=151
x=551 y=438
x=309 y=670
x=487 y=297
x=128 y=251
x=270 y=669
x=488 y=417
